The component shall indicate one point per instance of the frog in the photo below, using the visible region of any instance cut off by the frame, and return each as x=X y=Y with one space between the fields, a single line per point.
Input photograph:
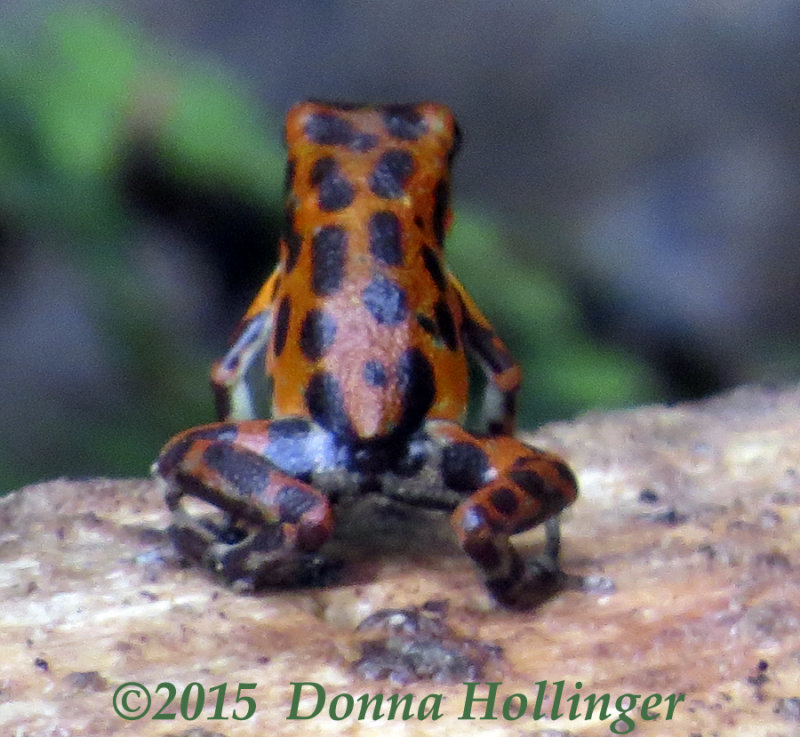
x=365 y=336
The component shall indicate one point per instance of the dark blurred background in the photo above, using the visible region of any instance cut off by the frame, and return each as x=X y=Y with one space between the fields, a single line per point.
x=627 y=197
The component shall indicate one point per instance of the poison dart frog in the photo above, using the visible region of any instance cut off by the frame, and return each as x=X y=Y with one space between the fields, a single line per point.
x=366 y=335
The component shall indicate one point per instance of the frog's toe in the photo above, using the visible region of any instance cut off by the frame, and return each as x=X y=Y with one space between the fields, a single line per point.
x=258 y=562
x=192 y=538
x=539 y=582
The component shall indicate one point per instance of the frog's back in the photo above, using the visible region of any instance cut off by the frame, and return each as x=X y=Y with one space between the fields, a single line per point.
x=365 y=323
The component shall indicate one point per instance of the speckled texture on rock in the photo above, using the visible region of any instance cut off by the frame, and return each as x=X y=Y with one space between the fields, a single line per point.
x=693 y=511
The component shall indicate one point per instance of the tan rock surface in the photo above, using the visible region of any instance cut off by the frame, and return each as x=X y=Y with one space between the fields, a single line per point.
x=693 y=511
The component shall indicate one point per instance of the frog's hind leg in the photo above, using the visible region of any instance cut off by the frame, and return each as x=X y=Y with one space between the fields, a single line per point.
x=270 y=524
x=508 y=487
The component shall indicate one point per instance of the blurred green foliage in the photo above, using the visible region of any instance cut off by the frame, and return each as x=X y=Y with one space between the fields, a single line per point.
x=76 y=94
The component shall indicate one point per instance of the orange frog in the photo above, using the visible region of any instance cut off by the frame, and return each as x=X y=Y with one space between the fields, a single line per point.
x=366 y=335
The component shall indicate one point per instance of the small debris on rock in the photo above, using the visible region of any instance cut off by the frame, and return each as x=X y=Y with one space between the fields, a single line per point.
x=418 y=645
x=88 y=680
x=648 y=496
x=789 y=709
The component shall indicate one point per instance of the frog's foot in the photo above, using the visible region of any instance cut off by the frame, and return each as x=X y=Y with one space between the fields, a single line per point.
x=265 y=526
x=248 y=560
x=516 y=487
x=531 y=582
x=513 y=582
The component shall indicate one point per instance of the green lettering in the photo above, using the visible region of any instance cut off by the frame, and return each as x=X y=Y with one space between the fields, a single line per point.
x=365 y=701
x=523 y=704
x=673 y=700
x=623 y=720
x=349 y=702
x=489 y=712
x=554 y=712
x=591 y=701
x=647 y=706
x=537 y=707
x=298 y=687
x=434 y=713
x=574 y=700
x=395 y=700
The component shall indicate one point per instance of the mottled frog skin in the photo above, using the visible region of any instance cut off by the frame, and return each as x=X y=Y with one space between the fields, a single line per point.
x=366 y=335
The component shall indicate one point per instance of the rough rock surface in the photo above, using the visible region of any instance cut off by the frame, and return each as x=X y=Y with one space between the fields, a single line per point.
x=693 y=511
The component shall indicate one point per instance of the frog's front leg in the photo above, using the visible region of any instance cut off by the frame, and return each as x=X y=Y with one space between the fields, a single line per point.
x=272 y=523
x=503 y=375
x=512 y=487
x=231 y=394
